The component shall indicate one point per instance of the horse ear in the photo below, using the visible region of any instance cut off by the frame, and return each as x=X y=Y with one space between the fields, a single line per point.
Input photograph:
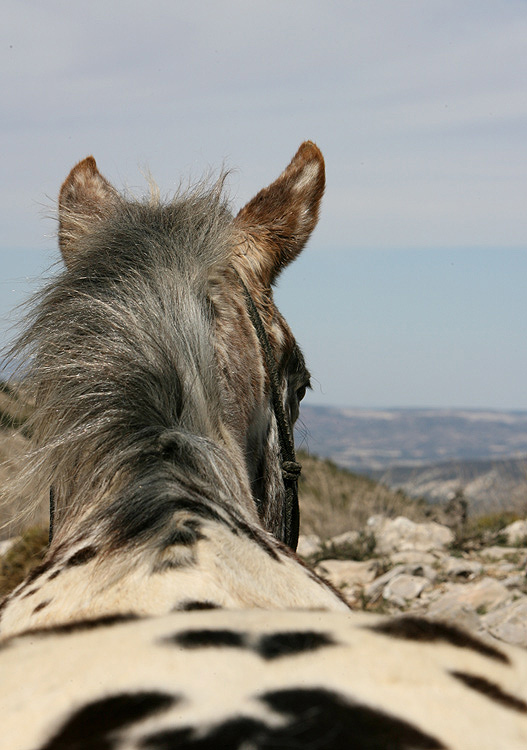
x=84 y=197
x=278 y=221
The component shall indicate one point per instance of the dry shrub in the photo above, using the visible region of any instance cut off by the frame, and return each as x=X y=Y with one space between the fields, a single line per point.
x=27 y=552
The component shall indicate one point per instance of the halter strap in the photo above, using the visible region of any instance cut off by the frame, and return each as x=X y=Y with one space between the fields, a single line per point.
x=290 y=467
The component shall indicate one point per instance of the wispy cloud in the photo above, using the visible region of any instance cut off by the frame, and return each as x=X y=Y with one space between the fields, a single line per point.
x=420 y=107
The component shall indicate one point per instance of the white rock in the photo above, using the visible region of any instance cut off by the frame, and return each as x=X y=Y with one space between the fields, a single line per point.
x=347 y=539
x=411 y=557
x=501 y=553
x=414 y=569
x=456 y=567
x=461 y=598
x=308 y=544
x=450 y=609
x=509 y=623
x=344 y=573
x=515 y=581
x=423 y=571
x=396 y=535
x=516 y=532
x=403 y=588
x=374 y=589
x=500 y=570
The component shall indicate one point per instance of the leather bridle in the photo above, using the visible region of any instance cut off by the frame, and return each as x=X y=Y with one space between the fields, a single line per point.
x=290 y=467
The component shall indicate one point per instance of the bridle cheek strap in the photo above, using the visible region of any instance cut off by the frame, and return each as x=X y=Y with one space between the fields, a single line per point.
x=290 y=467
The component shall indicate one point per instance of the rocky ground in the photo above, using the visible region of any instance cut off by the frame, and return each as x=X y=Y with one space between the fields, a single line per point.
x=397 y=565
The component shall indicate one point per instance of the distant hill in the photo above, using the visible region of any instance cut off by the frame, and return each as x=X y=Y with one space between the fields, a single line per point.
x=487 y=485
x=427 y=452
x=381 y=438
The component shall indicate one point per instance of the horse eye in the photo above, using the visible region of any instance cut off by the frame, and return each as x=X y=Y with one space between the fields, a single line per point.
x=301 y=392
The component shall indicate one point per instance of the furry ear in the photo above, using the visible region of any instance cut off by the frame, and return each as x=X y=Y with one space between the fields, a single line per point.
x=84 y=197
x=277 y=223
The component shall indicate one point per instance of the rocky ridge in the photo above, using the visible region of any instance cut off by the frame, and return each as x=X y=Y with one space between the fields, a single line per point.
x=397 y=565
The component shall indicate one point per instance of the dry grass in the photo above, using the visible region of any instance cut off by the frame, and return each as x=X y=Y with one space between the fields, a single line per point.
x=27 y=552
x=334 y=500
x=13 y=521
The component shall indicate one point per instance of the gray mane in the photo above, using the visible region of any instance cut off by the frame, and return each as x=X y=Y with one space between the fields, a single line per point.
x=118 y=355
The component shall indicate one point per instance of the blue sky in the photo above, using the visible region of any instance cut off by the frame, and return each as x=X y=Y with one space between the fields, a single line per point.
x=412 y=289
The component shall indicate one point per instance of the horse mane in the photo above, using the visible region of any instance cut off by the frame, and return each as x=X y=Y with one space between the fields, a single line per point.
x=117 y=355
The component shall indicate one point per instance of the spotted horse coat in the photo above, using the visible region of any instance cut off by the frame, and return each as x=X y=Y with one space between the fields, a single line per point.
x=170 y=611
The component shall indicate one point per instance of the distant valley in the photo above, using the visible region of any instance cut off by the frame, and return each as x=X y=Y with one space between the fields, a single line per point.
x=427 y=452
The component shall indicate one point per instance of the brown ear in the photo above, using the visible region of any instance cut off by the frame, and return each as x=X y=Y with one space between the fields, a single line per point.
x=277 y=222
x=84 y=197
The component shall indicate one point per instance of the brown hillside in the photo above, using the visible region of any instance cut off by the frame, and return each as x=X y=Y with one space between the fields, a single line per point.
x=334 y=500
